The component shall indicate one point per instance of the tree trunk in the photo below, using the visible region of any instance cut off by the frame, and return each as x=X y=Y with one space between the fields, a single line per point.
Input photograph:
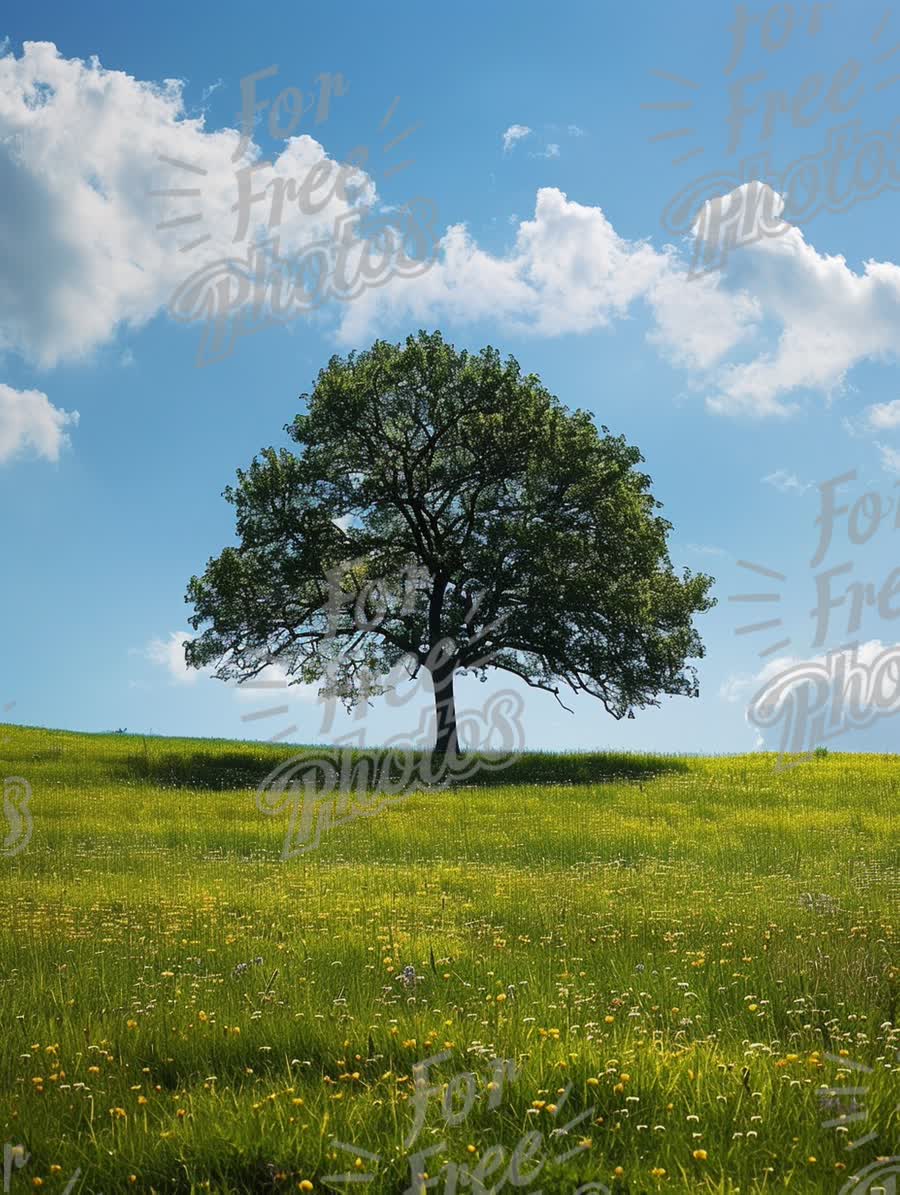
x=445 y=711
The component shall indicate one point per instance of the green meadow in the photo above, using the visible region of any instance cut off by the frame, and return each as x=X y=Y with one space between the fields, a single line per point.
x=645 y=973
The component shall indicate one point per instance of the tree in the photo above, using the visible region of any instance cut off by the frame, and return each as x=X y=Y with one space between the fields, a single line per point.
x=468 y=521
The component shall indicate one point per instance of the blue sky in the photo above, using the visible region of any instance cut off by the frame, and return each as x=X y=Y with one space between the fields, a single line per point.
x=540 y=136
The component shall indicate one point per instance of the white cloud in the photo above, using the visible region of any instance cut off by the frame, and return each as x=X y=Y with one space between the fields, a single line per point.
x=210 y=89
x=777 y=321
x=29 y=421
x=81 y=255
x=884 y=415
x=832 y=319
x=574 y=131
x=827 y=319
x=551 y=150
x=569 y=271
x=706 y=550
x=698 y=321
x=840 y=679
x=271 y=685
x=890 y=458
x=734 y=688
x=786 y=482
x=168 y=653
x=80 y=154
x=514 y=133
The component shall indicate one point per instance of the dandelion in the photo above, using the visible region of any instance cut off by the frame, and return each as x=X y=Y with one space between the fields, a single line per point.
x=700 y=1155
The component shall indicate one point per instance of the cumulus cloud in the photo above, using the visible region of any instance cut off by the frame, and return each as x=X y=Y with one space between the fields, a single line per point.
x=698 y=321
x=87 y=248
x=82 y=151
x=847 y=689
x=830 y=319
x=514 y=134
x=568 y=271
x=168 y=653
x=30 y=422
x=777 y=322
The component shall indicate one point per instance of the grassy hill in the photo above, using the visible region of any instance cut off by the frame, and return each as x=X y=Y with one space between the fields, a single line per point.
x=687 y=959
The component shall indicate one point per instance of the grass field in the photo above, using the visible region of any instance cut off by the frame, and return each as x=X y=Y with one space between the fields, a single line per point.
x=692 y=956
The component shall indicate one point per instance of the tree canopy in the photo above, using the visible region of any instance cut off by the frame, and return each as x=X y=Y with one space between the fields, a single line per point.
x=468 y=521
